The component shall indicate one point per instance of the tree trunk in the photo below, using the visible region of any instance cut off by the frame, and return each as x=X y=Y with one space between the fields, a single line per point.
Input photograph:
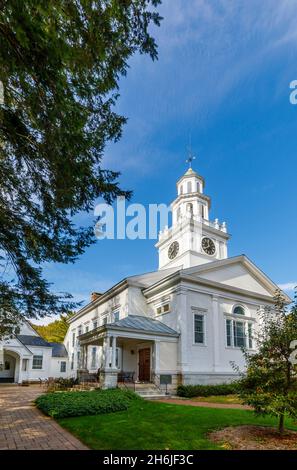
x=281 y=423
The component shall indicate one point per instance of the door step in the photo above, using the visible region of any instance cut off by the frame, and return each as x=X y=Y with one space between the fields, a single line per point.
x=149 y=391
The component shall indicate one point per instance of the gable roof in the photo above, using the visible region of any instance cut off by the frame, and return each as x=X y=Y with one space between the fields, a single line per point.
x=139 y=280
x=261 y=280
x=259 y=284
x=30 y=340
x=141 y=323
x=58 y=350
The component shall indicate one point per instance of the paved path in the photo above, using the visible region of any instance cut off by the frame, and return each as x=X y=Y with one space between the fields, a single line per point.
x=23 y=426
x=189 y=402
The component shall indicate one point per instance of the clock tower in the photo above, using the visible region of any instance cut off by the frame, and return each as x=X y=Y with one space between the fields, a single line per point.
x=193 y=239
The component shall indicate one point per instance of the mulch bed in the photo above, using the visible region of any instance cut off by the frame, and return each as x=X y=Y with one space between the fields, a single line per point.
x=254 y=438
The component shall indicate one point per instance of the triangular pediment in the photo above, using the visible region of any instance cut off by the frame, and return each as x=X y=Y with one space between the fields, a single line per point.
x=238 y=272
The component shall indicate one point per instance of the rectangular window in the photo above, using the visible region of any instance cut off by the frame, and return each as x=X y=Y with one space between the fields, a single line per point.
x=93 y=362
x=239 y=335
x=95 y=324
x=63 y=366
x=163 y=309
x=37 y=362
x=73 y=339
x=78 y=359
x=72 y=361
x=199 y=329
x=87 y=328
x=104 y=321
x=116 y=316
x=229 y=332
x=79 y=331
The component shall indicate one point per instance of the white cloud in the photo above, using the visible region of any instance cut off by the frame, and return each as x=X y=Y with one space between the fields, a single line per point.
x=289 y=286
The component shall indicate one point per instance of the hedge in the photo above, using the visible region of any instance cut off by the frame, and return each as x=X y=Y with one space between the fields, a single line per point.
x=190 y=391
x=95 y=402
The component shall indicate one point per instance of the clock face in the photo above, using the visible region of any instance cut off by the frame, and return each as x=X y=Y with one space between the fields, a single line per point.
x=173 y=250
x=208 y=246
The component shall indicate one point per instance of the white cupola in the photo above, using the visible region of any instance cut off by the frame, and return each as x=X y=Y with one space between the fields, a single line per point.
x=193 y=239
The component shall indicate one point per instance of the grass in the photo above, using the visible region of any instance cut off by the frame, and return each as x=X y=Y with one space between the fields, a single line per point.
x=225 y=399
x=156 y=426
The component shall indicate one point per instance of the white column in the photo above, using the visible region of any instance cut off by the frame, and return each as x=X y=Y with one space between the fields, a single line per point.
x=216 y=332
x=106 y=346
x=157 y=356
x=114 y=352
x=182 y=323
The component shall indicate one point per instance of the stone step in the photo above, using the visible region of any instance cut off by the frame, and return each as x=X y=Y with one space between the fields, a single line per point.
x=155 y=397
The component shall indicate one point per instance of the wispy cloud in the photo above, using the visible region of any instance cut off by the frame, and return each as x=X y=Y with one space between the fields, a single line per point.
x=288 y=286
x=209 y=51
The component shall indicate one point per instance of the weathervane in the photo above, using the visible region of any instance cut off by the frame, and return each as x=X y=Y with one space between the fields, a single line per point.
x=191 y=157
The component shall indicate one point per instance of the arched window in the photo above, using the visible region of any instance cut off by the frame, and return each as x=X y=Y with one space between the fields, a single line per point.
x=198 y=187
x=189 y=187
x=238 y=310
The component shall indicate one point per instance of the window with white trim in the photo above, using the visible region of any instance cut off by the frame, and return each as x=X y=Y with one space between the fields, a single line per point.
x=78 y=360
x=63 y=366
x=199 y=327
x=37 y=361
x=73 y=339
x=116 y=316
x=238 y=310
x=239 y=333
x=93 y=360
x=72 y=361
x=165 y=308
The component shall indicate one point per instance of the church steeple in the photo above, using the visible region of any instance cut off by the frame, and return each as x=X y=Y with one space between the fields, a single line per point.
x=193 y=239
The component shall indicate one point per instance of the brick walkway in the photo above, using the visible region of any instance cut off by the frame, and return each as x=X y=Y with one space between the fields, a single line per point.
x=23 y=426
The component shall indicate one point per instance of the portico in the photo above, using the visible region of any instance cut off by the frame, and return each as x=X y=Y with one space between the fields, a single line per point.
x=131 y=345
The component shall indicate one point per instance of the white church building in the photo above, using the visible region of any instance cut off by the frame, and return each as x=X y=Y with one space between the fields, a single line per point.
x=187 y=321
x=184 y=323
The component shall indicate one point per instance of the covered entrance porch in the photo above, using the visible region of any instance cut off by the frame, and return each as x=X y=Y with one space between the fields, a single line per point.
x=129 y=351
x=13 y=364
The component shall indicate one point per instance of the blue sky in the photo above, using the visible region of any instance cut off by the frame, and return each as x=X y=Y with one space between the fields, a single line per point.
x=222 y=77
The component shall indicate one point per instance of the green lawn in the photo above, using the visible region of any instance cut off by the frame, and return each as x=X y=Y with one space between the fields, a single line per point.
x=151 y=425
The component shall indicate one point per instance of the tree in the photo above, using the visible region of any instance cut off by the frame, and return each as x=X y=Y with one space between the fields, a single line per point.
x=55 y=331
x=60 y=64
x=269 y=384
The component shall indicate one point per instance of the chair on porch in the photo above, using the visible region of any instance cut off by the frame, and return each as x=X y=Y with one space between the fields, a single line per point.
x=126 y=377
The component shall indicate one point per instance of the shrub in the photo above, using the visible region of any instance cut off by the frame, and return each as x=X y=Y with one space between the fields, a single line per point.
x=66 y=404
x=61 y=384
x=190 y=391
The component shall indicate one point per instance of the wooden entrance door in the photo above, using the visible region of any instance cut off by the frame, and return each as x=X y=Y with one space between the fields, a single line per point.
x=144 y=365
